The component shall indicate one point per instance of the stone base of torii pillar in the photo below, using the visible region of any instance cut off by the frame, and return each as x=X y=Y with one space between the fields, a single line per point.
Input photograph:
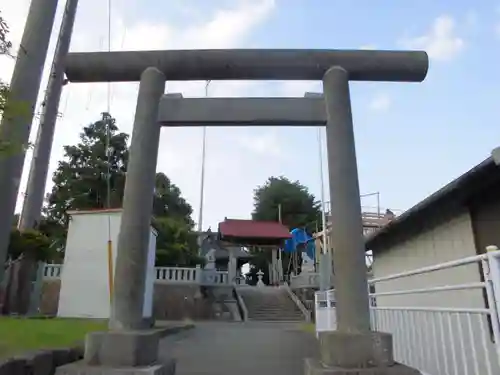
x=356 y=354
x=121 y=353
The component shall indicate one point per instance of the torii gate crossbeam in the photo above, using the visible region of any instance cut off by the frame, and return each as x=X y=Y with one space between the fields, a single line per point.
x=178 y=111
x=247 y=64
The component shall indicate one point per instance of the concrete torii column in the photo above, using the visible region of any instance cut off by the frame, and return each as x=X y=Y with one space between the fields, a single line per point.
x=24 y=87
x=353 y=346
x=128 y=297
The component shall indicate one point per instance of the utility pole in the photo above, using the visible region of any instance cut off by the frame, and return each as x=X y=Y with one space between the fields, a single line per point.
x=15 y=129
x=203 y=154
x=325 y=261
x=33 y=200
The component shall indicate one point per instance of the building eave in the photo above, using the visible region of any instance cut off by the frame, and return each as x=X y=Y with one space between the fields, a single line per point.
x=448 y=197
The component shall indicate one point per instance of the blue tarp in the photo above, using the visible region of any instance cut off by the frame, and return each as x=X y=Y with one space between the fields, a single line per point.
x=300 y=241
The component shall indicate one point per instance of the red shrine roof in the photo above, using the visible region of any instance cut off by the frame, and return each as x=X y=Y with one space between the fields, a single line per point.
x=253 y=232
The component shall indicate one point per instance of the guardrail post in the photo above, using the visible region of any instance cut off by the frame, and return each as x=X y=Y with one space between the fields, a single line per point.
x=492 y=279
x=199 y=274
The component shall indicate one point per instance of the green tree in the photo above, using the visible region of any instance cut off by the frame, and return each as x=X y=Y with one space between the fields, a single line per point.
x=175 y=243
x=32 y=245
x=81 y=179
x=299 y=208
x=5 y=46
x=80 y=183
x=30 y=242
x=168 y=201
x=8 y=107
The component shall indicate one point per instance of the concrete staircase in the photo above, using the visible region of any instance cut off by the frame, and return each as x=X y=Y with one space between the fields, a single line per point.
x=269 y=304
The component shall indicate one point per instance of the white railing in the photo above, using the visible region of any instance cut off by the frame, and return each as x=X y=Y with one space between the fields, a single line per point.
x=325 y=317
x=213 y=277
x=441 y=330
x=52 y=271
x=172 y=275
x=177 y=275
x=305 y=280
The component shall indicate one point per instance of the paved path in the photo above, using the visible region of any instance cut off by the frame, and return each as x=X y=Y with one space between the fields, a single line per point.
x=249 y=348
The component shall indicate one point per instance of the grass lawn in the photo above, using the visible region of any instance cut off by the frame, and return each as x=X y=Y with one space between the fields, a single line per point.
x=18 y=335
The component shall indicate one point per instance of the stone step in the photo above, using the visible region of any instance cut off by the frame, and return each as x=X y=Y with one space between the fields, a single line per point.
x=281 y=313
x=271 y=305
x=271 y=319
x=270 y=311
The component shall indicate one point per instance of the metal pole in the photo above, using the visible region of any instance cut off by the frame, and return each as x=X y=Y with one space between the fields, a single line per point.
x=326 y=268
x=323 y=206
x=378 y=205
x=351 y=288
x=15 y=129
x=203 y=154
x=279 y=261
x=320 y=150
x=325 y=261
x=33 y=200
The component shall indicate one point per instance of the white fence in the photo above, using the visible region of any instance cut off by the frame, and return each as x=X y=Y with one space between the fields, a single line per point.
x=177 y=275
x=305 y=280
x=444 y=340
x=213 y=277
x=170 y=275
x=52 y=271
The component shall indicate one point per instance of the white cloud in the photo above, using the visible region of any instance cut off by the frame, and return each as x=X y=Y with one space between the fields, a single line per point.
x=180 y=148
x=441 y=42
x=380 y=103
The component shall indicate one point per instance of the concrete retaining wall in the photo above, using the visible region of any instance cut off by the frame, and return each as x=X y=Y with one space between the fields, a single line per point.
x=42 y=362
x=170 y=302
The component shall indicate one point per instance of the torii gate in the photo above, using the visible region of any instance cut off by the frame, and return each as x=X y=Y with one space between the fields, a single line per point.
x=353 y=345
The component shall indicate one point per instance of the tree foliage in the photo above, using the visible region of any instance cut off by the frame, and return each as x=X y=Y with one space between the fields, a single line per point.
x=5 y=46
x=175 y=243
x=32 y=243
x=299 y=208
x=80 y=183
x=9 y=108
x=80 y=180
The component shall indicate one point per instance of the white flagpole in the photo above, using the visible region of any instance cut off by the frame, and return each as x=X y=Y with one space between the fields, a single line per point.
x=323 y=203
x=203 y=154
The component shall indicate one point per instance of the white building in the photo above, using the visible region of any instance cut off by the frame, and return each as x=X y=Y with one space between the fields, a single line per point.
x=85 y=279
x=457 y=221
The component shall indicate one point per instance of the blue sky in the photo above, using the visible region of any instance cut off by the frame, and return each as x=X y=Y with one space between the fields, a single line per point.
x=411 y=138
